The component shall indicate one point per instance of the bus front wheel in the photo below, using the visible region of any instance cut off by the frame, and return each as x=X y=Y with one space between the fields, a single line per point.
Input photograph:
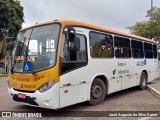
x=143 y=81
x=98 y=92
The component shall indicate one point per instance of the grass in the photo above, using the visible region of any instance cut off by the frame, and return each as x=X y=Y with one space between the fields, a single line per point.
x=3 y=76
x=157 y=79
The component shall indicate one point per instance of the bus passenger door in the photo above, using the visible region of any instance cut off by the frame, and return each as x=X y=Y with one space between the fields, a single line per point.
x=73 y=70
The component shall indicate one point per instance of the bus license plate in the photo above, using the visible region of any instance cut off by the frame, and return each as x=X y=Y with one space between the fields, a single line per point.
x=22 y=96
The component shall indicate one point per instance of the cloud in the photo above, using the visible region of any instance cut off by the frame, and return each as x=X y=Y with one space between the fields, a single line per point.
x=116 y=14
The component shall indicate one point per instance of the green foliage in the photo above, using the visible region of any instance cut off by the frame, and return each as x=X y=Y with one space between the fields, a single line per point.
x=11 y=18
x=154 y=14
x=149 y=28
x=10 y=45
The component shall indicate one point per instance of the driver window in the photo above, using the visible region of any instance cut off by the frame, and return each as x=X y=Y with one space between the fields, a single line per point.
x=73 y=52
x=74 y=49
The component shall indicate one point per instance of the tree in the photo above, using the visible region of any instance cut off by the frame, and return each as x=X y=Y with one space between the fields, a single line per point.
x=149 y=28
x=11 y=18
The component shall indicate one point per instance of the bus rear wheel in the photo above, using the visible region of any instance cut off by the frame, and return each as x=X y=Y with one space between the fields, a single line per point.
x=143 y=81
x=98 y=92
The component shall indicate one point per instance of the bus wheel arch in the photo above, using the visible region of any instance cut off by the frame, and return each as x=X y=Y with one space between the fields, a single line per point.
x=98 y=90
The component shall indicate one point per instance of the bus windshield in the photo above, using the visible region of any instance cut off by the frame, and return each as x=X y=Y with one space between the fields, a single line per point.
x=36 y=46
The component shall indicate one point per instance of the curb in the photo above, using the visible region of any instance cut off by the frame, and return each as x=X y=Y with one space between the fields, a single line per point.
x=3 y=78
x=154 y=92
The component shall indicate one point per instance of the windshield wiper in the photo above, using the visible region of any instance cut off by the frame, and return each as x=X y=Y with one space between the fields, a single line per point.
x=32 y=71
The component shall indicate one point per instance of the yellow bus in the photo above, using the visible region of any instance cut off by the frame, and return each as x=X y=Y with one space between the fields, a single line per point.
x=64 y=62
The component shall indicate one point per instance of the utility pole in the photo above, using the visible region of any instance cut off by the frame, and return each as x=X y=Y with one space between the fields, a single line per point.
x=151 y=5
x=5 y=59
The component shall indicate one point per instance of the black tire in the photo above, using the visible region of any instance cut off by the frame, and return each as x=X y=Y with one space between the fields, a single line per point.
x=98 y=92
x=143 y=81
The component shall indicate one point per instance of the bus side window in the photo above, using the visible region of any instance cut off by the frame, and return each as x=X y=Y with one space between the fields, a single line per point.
x=122 y=47
x=101 y=45
x=137 y=49
x=148 y=50
x=155 y=51
x=117 y=52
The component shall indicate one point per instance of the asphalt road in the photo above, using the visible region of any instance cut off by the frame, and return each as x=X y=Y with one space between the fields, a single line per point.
x=127 y=100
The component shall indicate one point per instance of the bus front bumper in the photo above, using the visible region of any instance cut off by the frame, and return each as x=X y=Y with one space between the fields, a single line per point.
x=48 y=99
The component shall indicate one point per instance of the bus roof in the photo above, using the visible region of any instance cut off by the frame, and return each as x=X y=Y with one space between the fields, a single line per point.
x=65 y=22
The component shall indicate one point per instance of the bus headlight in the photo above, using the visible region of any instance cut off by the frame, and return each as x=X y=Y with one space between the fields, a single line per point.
x=47 y=86
x=9 y=85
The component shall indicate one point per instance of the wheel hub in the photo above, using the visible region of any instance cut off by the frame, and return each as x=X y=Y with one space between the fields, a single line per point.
x=96 y=91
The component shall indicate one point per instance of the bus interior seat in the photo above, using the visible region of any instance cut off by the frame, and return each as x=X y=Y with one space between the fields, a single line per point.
x=96 y=50
x=126 y=52
x=106 y=53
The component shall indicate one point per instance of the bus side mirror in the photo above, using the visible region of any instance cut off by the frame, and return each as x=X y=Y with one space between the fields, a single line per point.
x=71 y=37
x=69 y=33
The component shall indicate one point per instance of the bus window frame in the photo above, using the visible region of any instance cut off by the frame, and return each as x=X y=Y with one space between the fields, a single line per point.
x=85 y=62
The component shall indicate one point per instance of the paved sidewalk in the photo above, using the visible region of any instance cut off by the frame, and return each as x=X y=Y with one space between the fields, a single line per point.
x=154 y=88
x=156 y=85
